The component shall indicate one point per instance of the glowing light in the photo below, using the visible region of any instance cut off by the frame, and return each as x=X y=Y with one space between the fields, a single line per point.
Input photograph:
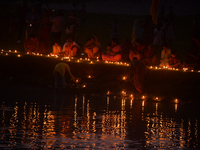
x=173 y=68
x=106 y=61
x=124 y=92
x=198 y=70
x=156 y=98
x=40 y=54
x=108 y=92
x=27 y=53
x=164 y=67
x=69 y=60
x=91 y=62
x=97 y=59
x=177 y=69
x=84 y=85
x=159 y=68
x=156 y=67
x=176 y=100
x=192 y=70
x=89 y=76
x=9 y=51
x=78 y=60
x=15 y=51
x=88 y=59
x=6 y=53
x=85 y=58
x=77 y=81
x=81 y=58
x=48 y=55
x=143 y=97
x=151 y=67
x=121 y=63
x=18 y=55
x=2 y=50
x=124 y=78
x=131 y=95
x=127 y=65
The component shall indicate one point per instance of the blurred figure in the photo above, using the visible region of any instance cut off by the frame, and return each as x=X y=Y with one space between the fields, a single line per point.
x=70 y=48
x=148 y=30
x=45 y=30
x=150 y=57
x=175 y=60
x=115 y=29
x=192 y=57
x=138 y=50
x=32 y=20
x=165 y=55
x=157 y=35
x=126 y=48
x=83 y=13
x=72 y=24
x=115 y=54
x=139 y=72
x=60 y=73
x=31 y=44
x=138 y=31
x=22 y=13
x=92 y=47
x=57 y=26
x=57 y=49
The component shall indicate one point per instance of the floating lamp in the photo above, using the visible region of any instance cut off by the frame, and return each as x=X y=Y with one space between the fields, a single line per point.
x=176 y=100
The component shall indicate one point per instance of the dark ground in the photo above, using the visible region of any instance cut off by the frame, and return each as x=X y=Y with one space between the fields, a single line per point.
x=32 y=77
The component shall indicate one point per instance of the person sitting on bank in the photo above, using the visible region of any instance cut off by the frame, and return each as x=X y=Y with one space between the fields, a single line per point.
x=92 y=47
x=60 y=73
x=116 y=52
x=70 y=48
x=165 y=55
x=138 y=50
x=175 y=60
x=31 y=44
x=57 y=49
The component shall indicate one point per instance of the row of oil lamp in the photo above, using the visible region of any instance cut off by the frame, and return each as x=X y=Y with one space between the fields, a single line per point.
x=174 y=69
x=66 y=58
x=97 y=60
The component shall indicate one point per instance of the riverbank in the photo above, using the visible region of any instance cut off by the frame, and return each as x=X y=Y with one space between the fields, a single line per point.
x=30 y=76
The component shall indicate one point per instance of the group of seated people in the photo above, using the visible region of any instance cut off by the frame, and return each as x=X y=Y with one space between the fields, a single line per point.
x=125 y=52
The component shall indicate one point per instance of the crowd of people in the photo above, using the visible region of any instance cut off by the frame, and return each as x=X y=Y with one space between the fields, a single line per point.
x=43 y=35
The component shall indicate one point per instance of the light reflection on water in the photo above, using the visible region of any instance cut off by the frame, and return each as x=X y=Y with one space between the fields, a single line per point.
x=86 y=122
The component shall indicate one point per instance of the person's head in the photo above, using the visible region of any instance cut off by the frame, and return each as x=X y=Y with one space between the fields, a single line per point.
x=196 y=38
x=92 y=39
x=69 y=41
x=33 y=9
x=165 y=47
x=115 y=42
x=72 y=13
x=32 y=36
x=108 y=46
x=173 y=53
x=138 y=41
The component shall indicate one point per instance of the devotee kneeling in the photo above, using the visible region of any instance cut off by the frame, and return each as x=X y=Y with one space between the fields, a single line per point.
x=70 y=48
x=60 y=73
x=165 y=55
x=92 y=47
x=115 y=53
x=139 y=71
x=31 y=44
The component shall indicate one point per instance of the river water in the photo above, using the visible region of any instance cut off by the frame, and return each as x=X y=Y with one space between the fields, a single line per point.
x=92 y=121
